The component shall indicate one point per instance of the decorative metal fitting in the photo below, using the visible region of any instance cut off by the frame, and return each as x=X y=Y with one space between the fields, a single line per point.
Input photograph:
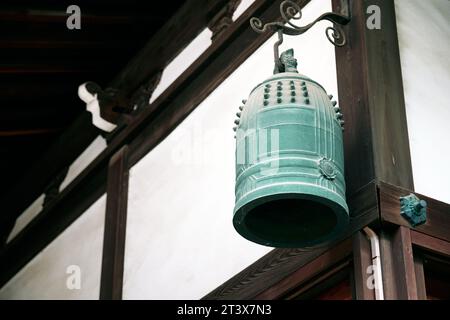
x=413 y=209
x=326 y=168
x=290 y=10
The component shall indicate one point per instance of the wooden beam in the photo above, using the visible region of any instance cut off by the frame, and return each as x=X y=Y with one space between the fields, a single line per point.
x=431 y=244
x=73 y=201
x=45 y=44
x=27 y=132
x=438 y=222
x=332 y=284
x=325 y=261
x=35 y=178
x=362 y=259
x=399 y=279
x=186 y=24
x=420 y=277
x=371 y=98
x=47 y=69
x=216 y=63
x=115 y=227
x=60 y=17
x=404 y=266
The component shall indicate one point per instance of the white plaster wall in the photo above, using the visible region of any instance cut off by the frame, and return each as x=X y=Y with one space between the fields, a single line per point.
x=424 y=34
x=45 y=276
x=244 y=5
x=180 y=240
x=28 y=215
x=182 y=61
x=84 y=159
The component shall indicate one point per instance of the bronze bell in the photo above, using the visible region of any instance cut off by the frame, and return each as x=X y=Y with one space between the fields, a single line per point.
x=290 y=188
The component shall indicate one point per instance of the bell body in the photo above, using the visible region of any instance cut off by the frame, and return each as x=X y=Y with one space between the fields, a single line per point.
x=290 y=188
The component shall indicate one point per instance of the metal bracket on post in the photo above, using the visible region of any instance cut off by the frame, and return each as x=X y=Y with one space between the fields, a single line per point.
x=290 y=10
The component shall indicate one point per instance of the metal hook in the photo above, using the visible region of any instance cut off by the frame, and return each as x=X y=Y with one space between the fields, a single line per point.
x=290 y=10
x=276 y=45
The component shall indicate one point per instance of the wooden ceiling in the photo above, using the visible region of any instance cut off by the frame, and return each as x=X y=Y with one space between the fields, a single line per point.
x=42 y=63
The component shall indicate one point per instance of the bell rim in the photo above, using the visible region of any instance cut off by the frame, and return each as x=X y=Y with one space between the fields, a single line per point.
x=340 y=212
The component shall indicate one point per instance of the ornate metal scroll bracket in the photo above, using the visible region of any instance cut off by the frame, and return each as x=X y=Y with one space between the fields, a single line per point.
x=290 y=11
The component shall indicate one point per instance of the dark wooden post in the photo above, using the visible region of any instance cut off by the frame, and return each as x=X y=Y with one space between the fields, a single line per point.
x=420 y=278
x=115 y=226
x=372 y=100
x=399 y=277
x=362 y=259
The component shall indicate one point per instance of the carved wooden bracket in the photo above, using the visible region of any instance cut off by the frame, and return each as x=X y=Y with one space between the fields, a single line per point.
x=111 y=106
x=223 y=19
x=142 y=95
x=52 y=190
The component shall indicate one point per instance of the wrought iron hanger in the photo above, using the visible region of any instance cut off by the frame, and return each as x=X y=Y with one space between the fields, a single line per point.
x=289 y=10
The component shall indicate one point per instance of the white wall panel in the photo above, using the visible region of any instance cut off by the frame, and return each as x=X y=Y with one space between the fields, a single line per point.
x=180 y=240
x=424 y=33
x=45 y=277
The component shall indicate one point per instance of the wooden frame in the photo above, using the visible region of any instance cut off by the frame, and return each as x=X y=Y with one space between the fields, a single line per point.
x=115 y=227
x=228 y=51
x=402 y=269
x=420 y=277
x=184 y=26
x=434 y=271
x=331 y=257
x=372 y=112
x=399 y=280
x=372 y=100
x=438 y=213
x=403 y=264
x=431 y=244
x=281 y=270
x=422 y=245
x=278 y=272
x=320 y=286
x=362 y=259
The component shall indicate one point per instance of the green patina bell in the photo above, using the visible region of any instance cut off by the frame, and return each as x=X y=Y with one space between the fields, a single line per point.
x=290 y=188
